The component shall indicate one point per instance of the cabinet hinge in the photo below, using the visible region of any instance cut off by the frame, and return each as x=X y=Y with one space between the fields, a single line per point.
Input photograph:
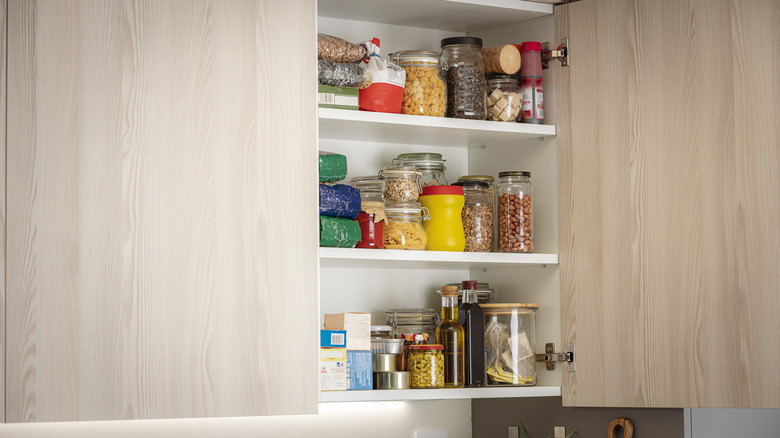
x=561 y=53
x=550 y=357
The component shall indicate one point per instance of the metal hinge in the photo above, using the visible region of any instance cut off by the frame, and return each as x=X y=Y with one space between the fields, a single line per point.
x=550 y=357
x=561 y=54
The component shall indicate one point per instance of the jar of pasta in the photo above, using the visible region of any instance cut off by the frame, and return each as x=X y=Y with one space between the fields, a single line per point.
x=402 y=183
x=404 y=229
x=424 y=88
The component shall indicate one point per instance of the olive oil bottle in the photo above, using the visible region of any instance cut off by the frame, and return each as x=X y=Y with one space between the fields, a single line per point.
x=450 y=334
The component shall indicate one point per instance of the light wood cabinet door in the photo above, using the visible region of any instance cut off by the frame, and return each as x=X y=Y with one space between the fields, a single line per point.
x=669 y=199
x=162 y=193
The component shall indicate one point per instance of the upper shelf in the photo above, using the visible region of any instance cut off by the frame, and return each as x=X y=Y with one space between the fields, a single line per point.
x=338 y=124
x=402 y=259
x=451 y=15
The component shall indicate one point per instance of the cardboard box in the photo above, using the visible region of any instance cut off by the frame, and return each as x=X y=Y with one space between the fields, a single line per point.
x=333 y=338
x=357 y=325
x=333 y=369
x=337 y=97
x=360 y=372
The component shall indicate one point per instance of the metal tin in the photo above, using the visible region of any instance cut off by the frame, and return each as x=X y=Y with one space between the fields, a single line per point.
x=392 y=380
x=391 y=346
x=384 y=362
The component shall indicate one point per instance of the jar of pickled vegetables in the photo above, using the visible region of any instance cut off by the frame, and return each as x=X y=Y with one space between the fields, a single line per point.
x=426 y=365
x=404 y=229
x=424 y=88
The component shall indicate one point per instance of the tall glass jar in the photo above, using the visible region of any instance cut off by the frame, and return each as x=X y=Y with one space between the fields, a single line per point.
x=515 y=212
x=510 y=344
x=404 y=229
x=464 y=71
x=504 y=99
x=430 y=165
x=370 y=187
x=492 y=189
x=424 y=88
x=402 y=183
x=477 y=216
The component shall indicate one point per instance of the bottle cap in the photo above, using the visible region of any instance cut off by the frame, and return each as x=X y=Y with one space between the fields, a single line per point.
x=469 y=285
x=531 y=46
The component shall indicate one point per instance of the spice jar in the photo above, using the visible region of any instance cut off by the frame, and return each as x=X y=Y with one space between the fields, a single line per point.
x=430 y=166
x=424 y=88
x=510 y=344
x=515 y=213
x=410 y=321
x=464 y=70
x=426 y=365
x=531 y=83
x=402 y=183
x=443 y=225
x=477 y=216
x=403 y=229
x=503 y=99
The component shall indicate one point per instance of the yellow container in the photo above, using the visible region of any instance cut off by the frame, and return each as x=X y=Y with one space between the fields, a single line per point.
x=443 y=223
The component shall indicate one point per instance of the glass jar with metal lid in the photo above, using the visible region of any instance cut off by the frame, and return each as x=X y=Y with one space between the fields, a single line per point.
x=424 y=88
x=402 y=183
x=404 y=229
x=464 y=72
x=477 y=216
x=411 y=321
x=510 y=344
x=503 y=99
x=515 y=212
x=492 y=189
x=426 y=365
x=484 y=293
x=370 y=187
x=430 y=165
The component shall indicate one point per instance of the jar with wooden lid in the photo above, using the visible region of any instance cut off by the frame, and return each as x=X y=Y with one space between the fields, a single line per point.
x=424 y=93
x=510 y=344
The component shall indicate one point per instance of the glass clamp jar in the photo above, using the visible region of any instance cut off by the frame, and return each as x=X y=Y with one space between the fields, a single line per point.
x=426 y=365
x=370 y=187
x=515 y=212
x=404 y=229
x=477 y=216
x=504 y=99
x=484 y=293
x=411 y=321
x=510 y=344
x=402 y=183
x=464 y=70
x=430 y=165
x=424 y=87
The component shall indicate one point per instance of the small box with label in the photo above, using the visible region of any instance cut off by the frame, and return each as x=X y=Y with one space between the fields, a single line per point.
x=333 y=338
x=360 y=372
x=333 y=369
x=357 y=325
x=337 y=97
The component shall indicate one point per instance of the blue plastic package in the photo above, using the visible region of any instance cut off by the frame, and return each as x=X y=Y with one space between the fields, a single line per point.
x=339 y=200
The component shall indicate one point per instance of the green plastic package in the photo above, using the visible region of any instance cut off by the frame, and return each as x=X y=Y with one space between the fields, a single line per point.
x=333 y=167
x=339 y=232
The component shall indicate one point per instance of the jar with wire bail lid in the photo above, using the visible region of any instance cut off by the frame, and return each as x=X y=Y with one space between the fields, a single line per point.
x=515 y=212
x=477 y=216
x=430 y=165
x=401 y=183
x=464 y=71
x=404 y=229
x=424 y=87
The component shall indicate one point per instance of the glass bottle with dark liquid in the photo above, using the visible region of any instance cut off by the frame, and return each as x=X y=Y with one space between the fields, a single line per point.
x=450 y=334
x=472 y=318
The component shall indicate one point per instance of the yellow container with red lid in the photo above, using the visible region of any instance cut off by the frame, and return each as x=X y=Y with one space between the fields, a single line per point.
x=442 y=217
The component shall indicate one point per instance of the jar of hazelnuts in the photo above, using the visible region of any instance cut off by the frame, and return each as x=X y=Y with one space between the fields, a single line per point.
x=515 y=212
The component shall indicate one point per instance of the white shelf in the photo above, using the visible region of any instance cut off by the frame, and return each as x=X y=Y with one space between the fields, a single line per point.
x=403 y=259
x=342 y=124
x=439 y=394
x=452 y=15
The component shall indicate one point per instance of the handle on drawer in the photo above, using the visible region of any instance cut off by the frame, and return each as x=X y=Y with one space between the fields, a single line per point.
x=621 y=423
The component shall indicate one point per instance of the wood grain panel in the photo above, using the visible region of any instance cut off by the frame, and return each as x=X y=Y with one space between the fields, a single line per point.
x=669 y=199
x=3 y=95
x=162 y=197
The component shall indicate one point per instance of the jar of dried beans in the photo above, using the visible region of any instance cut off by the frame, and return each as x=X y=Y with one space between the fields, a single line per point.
x=477 y=215
x=515 y=212
x=464 y=71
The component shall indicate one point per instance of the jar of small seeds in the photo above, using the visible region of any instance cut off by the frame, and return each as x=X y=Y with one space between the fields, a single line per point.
x=402 y=183
x=426 y=365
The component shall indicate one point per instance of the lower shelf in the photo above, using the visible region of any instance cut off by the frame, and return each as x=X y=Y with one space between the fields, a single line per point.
x=438 y=394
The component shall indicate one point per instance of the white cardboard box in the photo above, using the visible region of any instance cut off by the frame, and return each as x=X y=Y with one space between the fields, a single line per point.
x=357 y=325
x=333 y=369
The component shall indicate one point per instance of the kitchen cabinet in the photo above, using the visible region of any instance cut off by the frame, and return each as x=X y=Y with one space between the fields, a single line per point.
x=661 y=177
x=161 y=210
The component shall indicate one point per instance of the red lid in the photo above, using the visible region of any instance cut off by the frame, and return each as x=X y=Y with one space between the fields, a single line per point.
x=531 y=46
x=426 y=347
x=442 y=190
x=469 y=285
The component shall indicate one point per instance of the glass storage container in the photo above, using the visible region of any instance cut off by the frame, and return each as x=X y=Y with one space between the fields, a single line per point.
x=515 y=212
x=370 y=187
x=372 y=211
x=401 y=183
x=464 y=72
x=410 y=321
x=510 y=344
x=477 y=216
x=404 y=229
x=484 y=293
x=504 y=99
x=424 y=87
x=430 y=165
x=426 y=365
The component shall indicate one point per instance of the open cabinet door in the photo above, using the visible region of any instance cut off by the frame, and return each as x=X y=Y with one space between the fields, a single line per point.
x=669 y=202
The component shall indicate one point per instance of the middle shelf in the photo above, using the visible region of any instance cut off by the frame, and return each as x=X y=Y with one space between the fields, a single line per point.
x=377 y=258
x=439 y=394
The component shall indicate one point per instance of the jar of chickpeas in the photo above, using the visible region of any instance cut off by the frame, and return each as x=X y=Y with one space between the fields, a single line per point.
x=424 y=88
x=426 y=365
